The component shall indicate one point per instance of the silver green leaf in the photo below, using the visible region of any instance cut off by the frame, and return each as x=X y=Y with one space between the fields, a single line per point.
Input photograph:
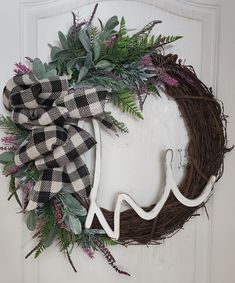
x=96 y=49
x=82 y=73
x=8 y=166
x=85 y=41
x=54 y=51
x=63 y=40
x=105 y=64
x=31 y=220
x=51 y=237
x=38 y=68
x=74 y=224
x=72 y=205
x=108 y=29
x=50 y=74
x=6 y=157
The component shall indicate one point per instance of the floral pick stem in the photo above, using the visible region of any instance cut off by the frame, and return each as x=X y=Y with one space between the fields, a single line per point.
x=70 y=261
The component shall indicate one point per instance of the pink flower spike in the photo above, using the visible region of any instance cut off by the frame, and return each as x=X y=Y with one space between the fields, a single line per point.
x=168 y=79
x=26 y=187
x=10 y=171
x=21 y=69
x=109 y=42
x=145 y=61
x=89 y=252
x=8 y=139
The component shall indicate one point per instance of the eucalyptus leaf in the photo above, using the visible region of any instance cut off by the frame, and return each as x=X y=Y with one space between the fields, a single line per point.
x=63 y=40
x=66 y=190
x=63 y=54
x=38 y=68
x=65 y=215
x=51 y=237
x=31 y=220
x=111 y=23
x=88 y=61
x=85 y=41
x=70 y=66
x=51 y=66
x=73 y=205
x=20 y=173
x=104 y=64
x=74 y=224
x=82 y=73
x=6 y=157
x=109 y=28
x=96 y=49
x=109 y=69
x=51 y=74
x=9 y=165
x=54 y=51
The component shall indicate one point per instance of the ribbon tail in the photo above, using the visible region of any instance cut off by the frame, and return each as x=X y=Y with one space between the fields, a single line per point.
x=107 y=121
x=74 y=175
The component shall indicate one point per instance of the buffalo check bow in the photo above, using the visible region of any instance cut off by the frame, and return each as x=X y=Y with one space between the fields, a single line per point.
x=50 y=111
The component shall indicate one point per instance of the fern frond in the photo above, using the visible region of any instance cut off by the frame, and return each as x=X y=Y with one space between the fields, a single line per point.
x=119 y=125
x=106 y=241
x=164 y=40
x=39 y=250
x=108 y=82
x=122 y=29
x=124 y=100
x=93 y=32
x=64 y=239
x=48 y=224
x=9 y=127
x=13 y=190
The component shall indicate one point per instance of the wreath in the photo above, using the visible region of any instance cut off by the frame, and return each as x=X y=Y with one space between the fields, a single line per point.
x=43 y=146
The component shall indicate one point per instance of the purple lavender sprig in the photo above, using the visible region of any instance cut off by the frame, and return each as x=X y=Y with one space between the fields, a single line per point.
x=110 y=259
x=145 y=61
x=7 y=140
x=58 y=214
x=164 y=77
x=21 y=69
x=11 y=171
x=89 y=252
x=167 y=79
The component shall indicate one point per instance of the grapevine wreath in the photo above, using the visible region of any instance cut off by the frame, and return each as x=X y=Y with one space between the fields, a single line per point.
x=43 y=146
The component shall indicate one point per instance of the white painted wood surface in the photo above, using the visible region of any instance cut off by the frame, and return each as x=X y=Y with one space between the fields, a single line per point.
x=204 y=251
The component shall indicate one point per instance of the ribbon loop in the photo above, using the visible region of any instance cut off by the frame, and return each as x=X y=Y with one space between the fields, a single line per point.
x=49 y=109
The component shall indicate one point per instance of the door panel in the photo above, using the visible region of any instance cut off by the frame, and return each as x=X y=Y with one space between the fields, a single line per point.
x=196 y=253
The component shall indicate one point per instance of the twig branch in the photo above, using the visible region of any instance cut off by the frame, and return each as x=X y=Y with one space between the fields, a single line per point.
x=70 y=261
x=93 y=14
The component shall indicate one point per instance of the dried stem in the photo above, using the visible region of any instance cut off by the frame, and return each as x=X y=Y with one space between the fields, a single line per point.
x=70 y=261
x=93 y=14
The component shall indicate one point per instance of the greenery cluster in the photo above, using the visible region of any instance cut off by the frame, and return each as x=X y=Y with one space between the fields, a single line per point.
x=106 y=56
x=60 y=220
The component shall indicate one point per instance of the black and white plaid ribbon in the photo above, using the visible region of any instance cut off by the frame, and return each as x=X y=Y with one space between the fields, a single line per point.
x=55 y=143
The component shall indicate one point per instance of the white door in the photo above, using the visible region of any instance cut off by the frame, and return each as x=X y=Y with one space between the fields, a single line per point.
x=204 y=252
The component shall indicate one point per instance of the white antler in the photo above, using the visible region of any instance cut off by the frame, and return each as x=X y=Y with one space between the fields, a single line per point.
x=170 y=185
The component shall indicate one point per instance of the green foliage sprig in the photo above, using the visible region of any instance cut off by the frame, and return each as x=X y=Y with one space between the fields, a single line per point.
x=9 y=127
x=125 y=100
x=106 y=56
